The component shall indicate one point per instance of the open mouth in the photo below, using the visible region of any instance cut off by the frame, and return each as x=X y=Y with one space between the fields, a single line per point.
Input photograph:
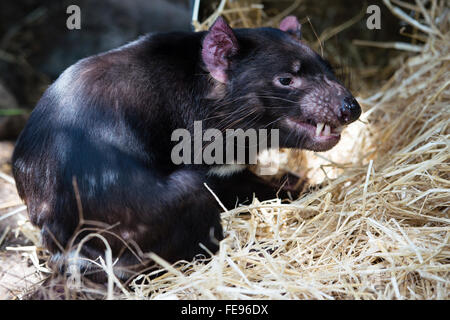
x=322 y=136
x=321 y=129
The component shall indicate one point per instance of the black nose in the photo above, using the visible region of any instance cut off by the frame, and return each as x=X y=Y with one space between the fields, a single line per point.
x=349 y=110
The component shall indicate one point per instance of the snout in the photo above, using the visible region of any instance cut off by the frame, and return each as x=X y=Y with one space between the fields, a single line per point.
x=349 y=110
x=325 y=111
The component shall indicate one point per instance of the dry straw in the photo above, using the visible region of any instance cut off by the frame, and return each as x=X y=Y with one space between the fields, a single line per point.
x=378 y=228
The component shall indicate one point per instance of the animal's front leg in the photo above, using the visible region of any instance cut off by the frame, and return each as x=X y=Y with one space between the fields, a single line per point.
x=240 y=188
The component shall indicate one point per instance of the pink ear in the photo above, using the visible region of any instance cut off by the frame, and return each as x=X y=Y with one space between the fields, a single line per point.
x=218 y=46
x=291 y=25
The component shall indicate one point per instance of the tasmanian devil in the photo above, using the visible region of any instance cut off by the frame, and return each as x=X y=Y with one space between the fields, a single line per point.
x=97 y=148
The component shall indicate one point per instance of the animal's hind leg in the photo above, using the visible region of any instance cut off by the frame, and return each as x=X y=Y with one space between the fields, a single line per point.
x=169 y=217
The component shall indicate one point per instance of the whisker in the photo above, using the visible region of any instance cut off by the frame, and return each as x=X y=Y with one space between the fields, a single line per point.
x=272 y=122
x=276 y=98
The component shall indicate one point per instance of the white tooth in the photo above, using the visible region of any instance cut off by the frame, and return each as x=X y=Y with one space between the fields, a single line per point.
x=327 y=130
x=319 y=128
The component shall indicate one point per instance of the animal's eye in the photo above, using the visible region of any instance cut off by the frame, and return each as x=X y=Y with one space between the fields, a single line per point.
x=285 y=81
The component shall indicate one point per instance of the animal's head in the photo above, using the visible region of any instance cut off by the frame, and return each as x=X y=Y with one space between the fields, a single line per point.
x=269 y=78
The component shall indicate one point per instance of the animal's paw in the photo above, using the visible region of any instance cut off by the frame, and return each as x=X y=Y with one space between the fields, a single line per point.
x=291 y=186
